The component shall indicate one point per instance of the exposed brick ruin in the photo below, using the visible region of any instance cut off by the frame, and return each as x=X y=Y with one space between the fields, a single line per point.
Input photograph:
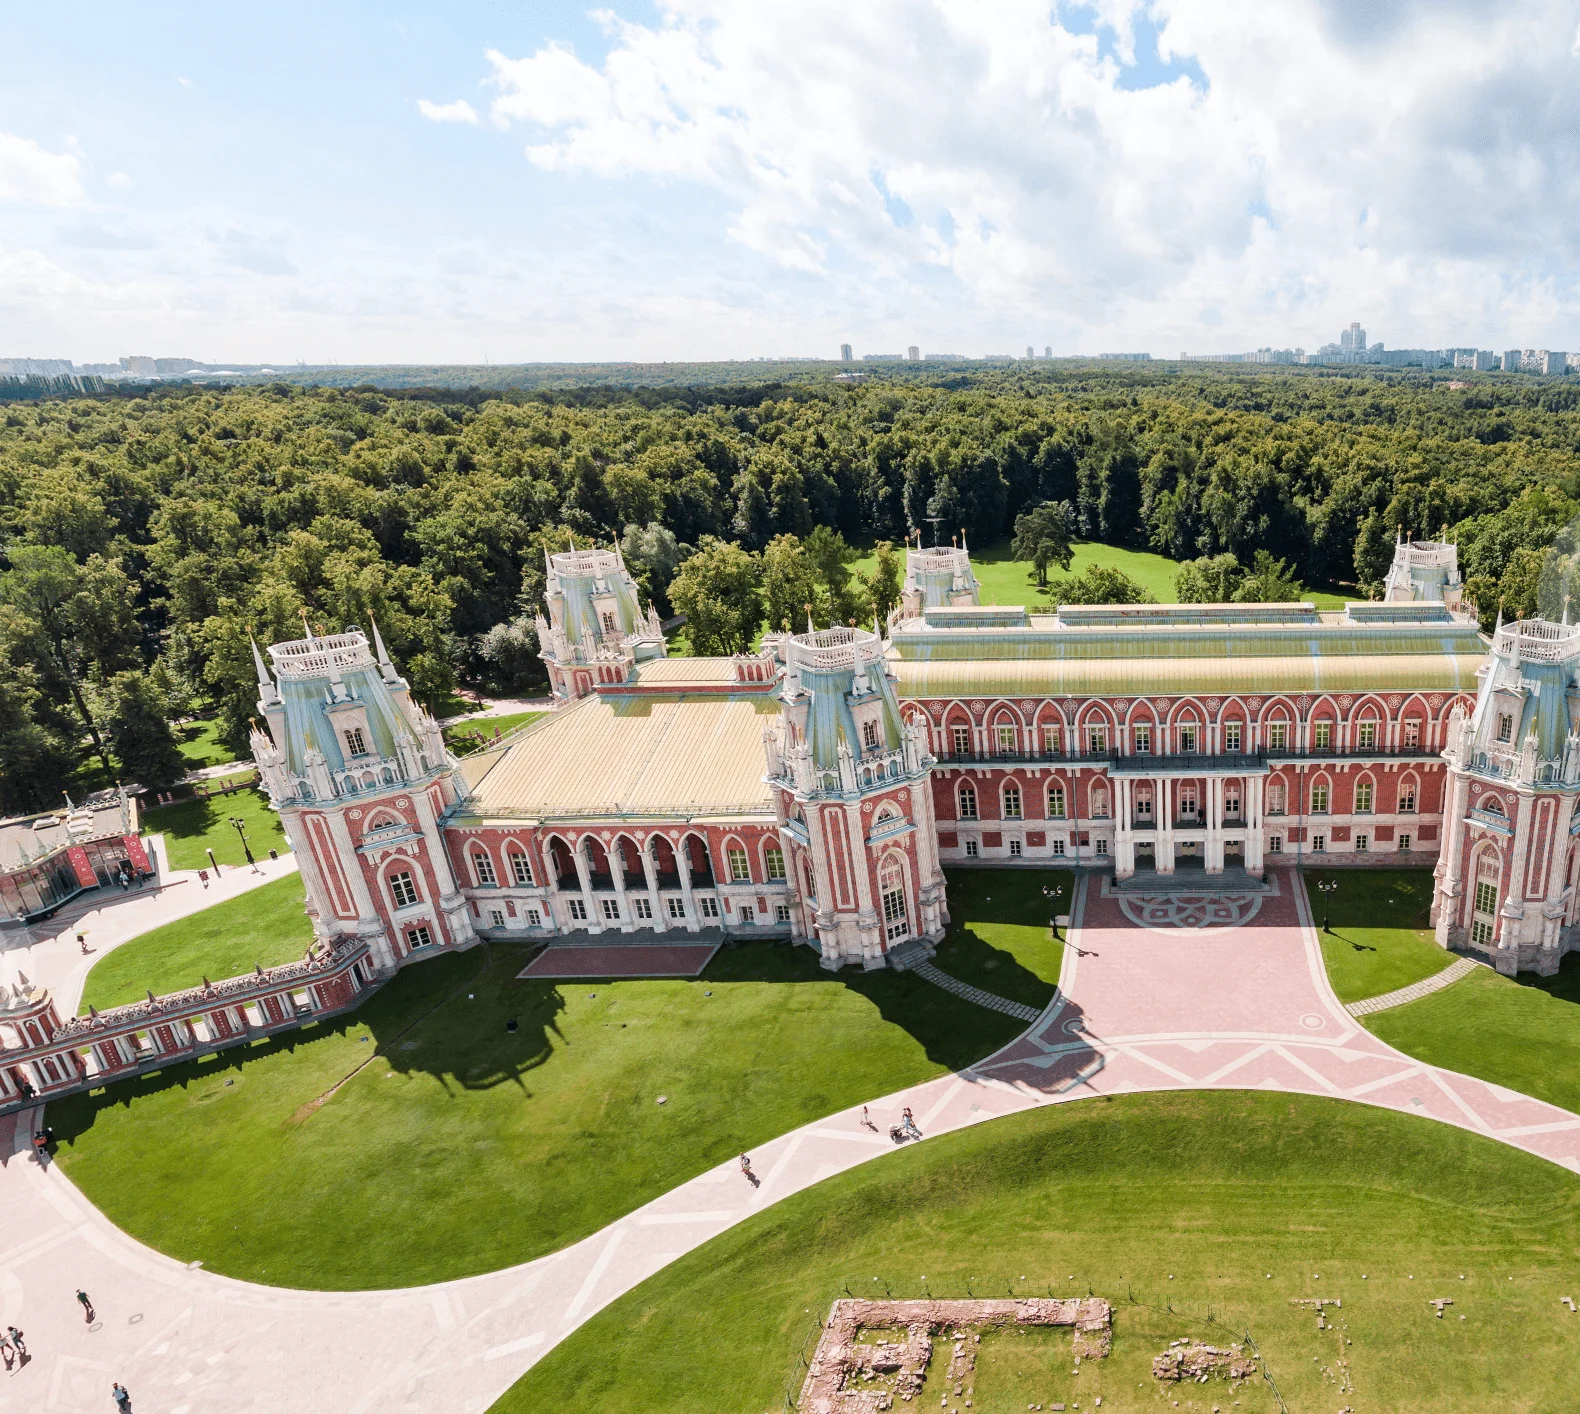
x=1186 y=1360
x=851 y=1376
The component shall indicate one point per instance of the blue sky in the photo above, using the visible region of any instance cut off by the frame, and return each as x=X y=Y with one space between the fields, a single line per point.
x=730 y=178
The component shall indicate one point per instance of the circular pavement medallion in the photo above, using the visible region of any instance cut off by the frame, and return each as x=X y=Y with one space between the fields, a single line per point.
x=1193 y=911
x=1312 y=1022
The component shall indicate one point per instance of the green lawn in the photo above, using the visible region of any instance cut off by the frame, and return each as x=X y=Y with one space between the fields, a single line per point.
x=463 y=1147
x=1000 y=939
x=1006 y=580
x=462 y=737
x=1380 y=939
x=200 y=745
x=264 y=926
x=1521 y=1034
x=1236 y=1204
x=191 y=827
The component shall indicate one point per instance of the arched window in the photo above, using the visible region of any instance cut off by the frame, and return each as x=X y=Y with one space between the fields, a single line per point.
x=1056 y=801
x=1319 y=797
x=1491 y=804
x=1231 y=800
x=1188 y=735
x=1322 y=734
x=1144 y=805
x=739 y=863
x=1012 y=802
x=1278 y=734
x=891 y=886
x=356 y=744
x=483 y=866
x=1411 y=734
x=968 y=802
x=403 y=888
x=1407 y=796
x=774 y=860
x=1366 y=734
x=1363 y=797
x=1189 y=806
x=520 y=866
x=1484 y=908
x=960 y=740
x=869 y=735
x=1099 y=802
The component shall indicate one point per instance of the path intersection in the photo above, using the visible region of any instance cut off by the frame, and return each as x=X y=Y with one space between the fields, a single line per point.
x=1158 y=992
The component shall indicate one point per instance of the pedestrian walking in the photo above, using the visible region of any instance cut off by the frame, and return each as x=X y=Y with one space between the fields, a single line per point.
x=746 y=1165
x=87 y=1304
x=865 y=1122
x=16 y=1340
x=203 y=875
x=123 y=1400
x=82 y=942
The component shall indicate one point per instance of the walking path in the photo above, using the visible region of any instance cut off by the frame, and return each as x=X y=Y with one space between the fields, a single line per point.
x=1155 y=994
x=975 y=995
x=1416 y=990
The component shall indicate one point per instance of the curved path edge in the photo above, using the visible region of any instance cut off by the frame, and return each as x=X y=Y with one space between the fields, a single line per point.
x=186 y=1340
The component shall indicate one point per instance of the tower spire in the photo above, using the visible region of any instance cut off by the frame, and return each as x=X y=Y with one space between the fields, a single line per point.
x=380 y=652
x=264 y=680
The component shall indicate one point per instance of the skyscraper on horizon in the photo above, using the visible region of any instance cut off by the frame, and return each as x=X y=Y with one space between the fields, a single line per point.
x=844 y=354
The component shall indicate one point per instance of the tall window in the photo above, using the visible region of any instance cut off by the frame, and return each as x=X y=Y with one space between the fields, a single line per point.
x=1232 y=736
x=1188 y=738
x=608 y=621
x=1057 y=847
x=1505 y=727
x=1484 y=919
x=1366 y=736
x=891 y=884
x=578 y=910
x=1144 y=806
x=1319 y=799
x=968 y=803
x=1412 y=734
x=356 y=745
x=1056 y=802
x=1052 y=740
x=740 y=866
x=1407 y=798
x=1275 y=798
x=1005 y=737
x=1143 y=739
x=520 y=867
x=484 y=865
x=1096 y=741
x=869 y=735
x=1012 y=802
x=1363 y=797
x=1188 y=808
x=1231 y=802
x=961 y=741
x=403 y=889
x=1322 y=736
x=1099 y=803
x=1278 y=736
x=774 y=858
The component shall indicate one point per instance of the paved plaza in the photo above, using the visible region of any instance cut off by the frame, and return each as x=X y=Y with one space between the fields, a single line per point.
x=1158 y=992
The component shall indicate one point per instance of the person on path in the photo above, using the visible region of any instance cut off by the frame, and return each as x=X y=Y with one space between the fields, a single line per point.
x=6 y=1353
x=16 y=1340
x=122 y=1399
x=865 y=1122
x=746 y=1166
x=82 y=942
x=203 y=875
x=87 y=1304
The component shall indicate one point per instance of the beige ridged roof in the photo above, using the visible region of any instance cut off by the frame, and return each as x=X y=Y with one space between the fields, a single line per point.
x=671 y=756
x=676 y=672
x=1042 y=677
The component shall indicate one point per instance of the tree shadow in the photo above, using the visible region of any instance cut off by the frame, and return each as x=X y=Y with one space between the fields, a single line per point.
x=1563 y=985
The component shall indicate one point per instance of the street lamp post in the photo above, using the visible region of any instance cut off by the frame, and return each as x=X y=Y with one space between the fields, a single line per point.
x=1054 y=895
x=1326 y=887
x=240 y=827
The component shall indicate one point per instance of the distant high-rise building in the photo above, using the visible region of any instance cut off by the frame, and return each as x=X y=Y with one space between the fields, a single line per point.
x=1485 y=361
x=141 y=365
x=844 y=353
x=913 y=353
x=1353 y=339
x=1553 y=361
x=1048 y=352
x=1511 y=360
x=1030 y=352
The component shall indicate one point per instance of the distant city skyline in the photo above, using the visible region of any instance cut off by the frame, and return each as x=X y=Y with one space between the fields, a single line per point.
x=705 y=179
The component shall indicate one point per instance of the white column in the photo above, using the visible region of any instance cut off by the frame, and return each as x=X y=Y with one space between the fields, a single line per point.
x=650 y=871
x=683 y=868
x=1163 y=813
x=1124 y=829
x=1450 y=865
x=1254 y=834
x=616 y=857
x=593 y=923
x=1212 y=845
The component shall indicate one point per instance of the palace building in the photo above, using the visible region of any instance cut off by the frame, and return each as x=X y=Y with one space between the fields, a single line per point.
x=817 y=788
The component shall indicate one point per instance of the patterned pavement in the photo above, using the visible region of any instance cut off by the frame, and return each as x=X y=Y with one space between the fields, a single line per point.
x=1152 y=997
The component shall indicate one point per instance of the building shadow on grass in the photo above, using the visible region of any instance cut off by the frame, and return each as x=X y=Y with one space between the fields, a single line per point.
x=1563 y=985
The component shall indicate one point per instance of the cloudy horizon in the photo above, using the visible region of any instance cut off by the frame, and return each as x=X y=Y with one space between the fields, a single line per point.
x=712 y=179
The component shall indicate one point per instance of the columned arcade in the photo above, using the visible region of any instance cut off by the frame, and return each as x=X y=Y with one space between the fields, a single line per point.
x=1169 y=808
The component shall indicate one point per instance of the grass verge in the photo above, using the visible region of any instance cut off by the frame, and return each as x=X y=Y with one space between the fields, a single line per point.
x=1378 y=937
x=193 y=827
x=1228 y=1205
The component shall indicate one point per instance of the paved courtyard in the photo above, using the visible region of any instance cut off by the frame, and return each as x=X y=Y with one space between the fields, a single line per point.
x=1158 y=992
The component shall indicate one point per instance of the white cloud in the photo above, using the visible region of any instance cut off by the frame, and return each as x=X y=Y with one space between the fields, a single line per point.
x=35 y=177
x=120 y=181
x=458 y=112
x=1411 y=163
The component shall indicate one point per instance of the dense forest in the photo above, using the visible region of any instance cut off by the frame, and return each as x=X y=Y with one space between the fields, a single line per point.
x=144 y=538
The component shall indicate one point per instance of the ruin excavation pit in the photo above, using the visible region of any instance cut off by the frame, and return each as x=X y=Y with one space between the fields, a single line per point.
x=853 y=1375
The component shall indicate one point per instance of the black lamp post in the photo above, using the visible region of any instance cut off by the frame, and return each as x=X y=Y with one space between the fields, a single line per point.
x=241 y=830
x=1054 y=895
x=1326 y=887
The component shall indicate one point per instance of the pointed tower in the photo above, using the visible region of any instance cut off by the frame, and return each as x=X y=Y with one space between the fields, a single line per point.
x=596 y=631
x=938 y=578
x=361 y=776
x=850 y=779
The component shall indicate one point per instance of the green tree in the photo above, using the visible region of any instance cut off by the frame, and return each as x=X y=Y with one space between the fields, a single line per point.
x=1043 y=535
x=36 y=757
x=137 y=722
x=1269 y=582
x=719 y=591
x=844 y=594
x=790 y=585
x=1212 y=579
x=883 y=584
x=1373 y=553
x=652 y=554
x=1098 y=584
